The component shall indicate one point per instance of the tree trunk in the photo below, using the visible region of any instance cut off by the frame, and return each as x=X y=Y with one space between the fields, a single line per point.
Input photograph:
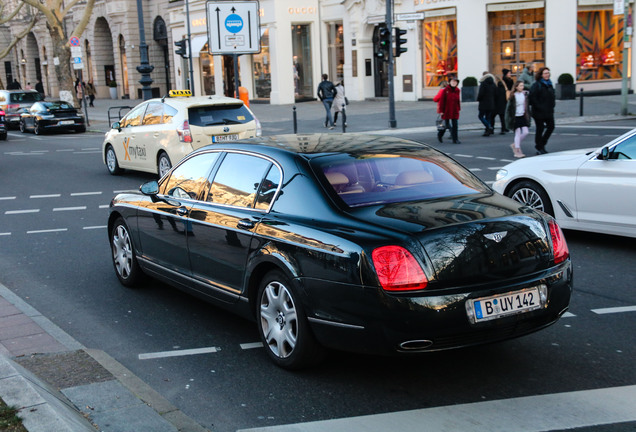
x=65 y=79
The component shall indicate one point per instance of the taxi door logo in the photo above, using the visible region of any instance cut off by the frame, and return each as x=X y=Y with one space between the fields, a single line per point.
x=126 y=145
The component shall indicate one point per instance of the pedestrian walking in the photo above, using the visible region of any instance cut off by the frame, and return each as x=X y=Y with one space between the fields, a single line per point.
x=438 y=98
x=542 y=102
x=486 y=97
x=518 y=117
x=39 y=87
x=527 y=76
x=90 y=92
x=28 y=86
x=15 y=85
x=501 y=100
x=450 y=107
x=326 y=93
x=506 y=77
x=339 y=103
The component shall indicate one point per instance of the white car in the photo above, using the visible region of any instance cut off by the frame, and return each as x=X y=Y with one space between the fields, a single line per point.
x=588 y=190
x=158 y=133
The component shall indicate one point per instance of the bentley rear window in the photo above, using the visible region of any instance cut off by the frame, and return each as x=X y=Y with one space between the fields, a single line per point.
x=217 y=115
x=380 y=179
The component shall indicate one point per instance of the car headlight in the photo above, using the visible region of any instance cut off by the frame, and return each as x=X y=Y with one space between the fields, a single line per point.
x=501 y=174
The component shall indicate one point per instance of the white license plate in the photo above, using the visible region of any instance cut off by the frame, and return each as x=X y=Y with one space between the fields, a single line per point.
x=489 y=308
x=66 y=122
x=224 y=138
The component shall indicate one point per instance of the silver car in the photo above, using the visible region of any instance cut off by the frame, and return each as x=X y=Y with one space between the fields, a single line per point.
x=15 y=102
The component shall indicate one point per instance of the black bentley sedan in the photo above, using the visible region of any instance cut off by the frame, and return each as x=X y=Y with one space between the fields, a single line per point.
x=52 y=115
x=360 y=243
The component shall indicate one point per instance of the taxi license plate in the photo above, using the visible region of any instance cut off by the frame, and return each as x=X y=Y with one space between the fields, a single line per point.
x=489 y=308
x=224 y=138
x=66 y=122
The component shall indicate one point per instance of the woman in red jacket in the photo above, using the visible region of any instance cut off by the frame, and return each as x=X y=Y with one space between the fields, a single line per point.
x=449 y=107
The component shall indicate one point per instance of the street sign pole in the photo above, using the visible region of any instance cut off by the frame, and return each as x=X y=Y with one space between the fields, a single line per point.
x=190 y=48
x=389 y=25
x=236 y=76
x=627 y=27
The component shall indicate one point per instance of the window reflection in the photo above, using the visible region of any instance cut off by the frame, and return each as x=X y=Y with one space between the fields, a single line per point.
x=187 y=180
x=237 y=180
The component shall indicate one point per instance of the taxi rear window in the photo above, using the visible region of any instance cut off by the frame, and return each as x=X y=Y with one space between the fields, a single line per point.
x=214 y=115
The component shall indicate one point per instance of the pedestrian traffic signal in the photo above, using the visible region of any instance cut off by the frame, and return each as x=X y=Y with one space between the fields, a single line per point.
x=399 y=41
x=382 y=42
x=181 y=44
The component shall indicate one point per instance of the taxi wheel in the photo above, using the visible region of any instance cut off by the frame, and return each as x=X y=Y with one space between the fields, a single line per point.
x=22 y=126
x=36 y=128
x=532 y=195
x=111 y=161
x=124 y=260
x=163 y=164
x=283 y=326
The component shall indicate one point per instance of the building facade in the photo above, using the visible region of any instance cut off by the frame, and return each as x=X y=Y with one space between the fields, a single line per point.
x=302 y=40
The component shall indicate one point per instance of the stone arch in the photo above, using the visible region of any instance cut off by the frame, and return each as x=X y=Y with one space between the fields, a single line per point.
x=161 y=53
x=103 y=57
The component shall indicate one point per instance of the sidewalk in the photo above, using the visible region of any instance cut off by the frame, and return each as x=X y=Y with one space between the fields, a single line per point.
x=60 y=385
x=373 y=115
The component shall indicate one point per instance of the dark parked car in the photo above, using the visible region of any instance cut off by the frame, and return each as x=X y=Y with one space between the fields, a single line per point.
x=15 y=102
x=52 y=115
x=3 y=126
x=360 y=243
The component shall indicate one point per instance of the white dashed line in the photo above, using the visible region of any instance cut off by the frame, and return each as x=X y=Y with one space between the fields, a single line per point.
x=494 y=168
x=8 y=212
x=104 y=206
x=614 y=310
x=46 y=196
x=5 y=234
x=95 y=227
x=87 y=152
x=486 y=158
x=47 y=231
x=474 y=169
x=568 y=315
x=85 y=193
x=69 y=208
x=7 y=198
x=462 y=155
x=65 y=150
x=251 y=345
x=177 y=353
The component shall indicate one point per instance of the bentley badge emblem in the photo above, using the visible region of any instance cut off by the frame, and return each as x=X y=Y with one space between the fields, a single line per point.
x=496 y=237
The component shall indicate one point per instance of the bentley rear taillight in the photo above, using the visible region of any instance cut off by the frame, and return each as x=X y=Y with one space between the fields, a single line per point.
x=561 y=251
x=398 y=270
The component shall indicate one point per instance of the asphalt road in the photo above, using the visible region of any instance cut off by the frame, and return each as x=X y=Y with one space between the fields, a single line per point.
x=54 y=253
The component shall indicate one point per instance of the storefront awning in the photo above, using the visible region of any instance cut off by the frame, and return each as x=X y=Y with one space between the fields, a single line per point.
x=197 y=44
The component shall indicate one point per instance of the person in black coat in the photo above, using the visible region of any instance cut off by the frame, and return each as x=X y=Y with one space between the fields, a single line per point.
x=486 y=98
x=542 y=102
x=501 y=100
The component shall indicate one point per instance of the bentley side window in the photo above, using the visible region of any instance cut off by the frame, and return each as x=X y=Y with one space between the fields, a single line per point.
x=187 y=180
x=238 y=179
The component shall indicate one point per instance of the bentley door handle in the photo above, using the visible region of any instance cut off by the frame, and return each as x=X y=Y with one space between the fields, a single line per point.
x=182 y=211
x=245 y=224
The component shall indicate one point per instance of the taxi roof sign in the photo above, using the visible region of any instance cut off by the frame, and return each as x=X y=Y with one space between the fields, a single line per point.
x=178 y=93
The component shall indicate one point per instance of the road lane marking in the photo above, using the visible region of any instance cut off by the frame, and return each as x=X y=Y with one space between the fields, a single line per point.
x=486 y=158
x=69 y=208
x=87 y=152
x=614 y=310
x=46 y=196
x=251 y=345
x=85 y=193
x=104 y=206
x=8 y=212
x=558 y=411
x=593 y=127
x=65 y=150
x=5 y=234
x=177 y=353
x=568 y=315
x=462 y=155
x=47 y=231
x=95 y=227
x=7 y=198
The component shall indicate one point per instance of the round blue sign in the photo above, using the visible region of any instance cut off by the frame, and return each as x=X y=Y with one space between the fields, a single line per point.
x=234 y=23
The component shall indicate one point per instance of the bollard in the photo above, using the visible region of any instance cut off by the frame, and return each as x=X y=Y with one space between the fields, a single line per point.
x=581 y=103
x=295 y=122
x=344 y=119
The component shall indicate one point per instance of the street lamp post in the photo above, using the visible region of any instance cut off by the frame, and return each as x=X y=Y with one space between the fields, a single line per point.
x=144 y=68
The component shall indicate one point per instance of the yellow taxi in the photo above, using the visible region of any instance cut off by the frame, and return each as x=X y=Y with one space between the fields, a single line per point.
x=158 y=133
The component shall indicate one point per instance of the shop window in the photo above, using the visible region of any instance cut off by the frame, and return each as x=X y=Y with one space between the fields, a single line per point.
x=517 y=38
x=261 y=61
x=301 y=52
x=599 y=45
x=336 y=52
x=207 y=71
x=440 y=39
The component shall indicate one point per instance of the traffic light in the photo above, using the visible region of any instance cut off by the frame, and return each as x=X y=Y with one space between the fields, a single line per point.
x=399 y=41
x=382 y=42
x=181 y=44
